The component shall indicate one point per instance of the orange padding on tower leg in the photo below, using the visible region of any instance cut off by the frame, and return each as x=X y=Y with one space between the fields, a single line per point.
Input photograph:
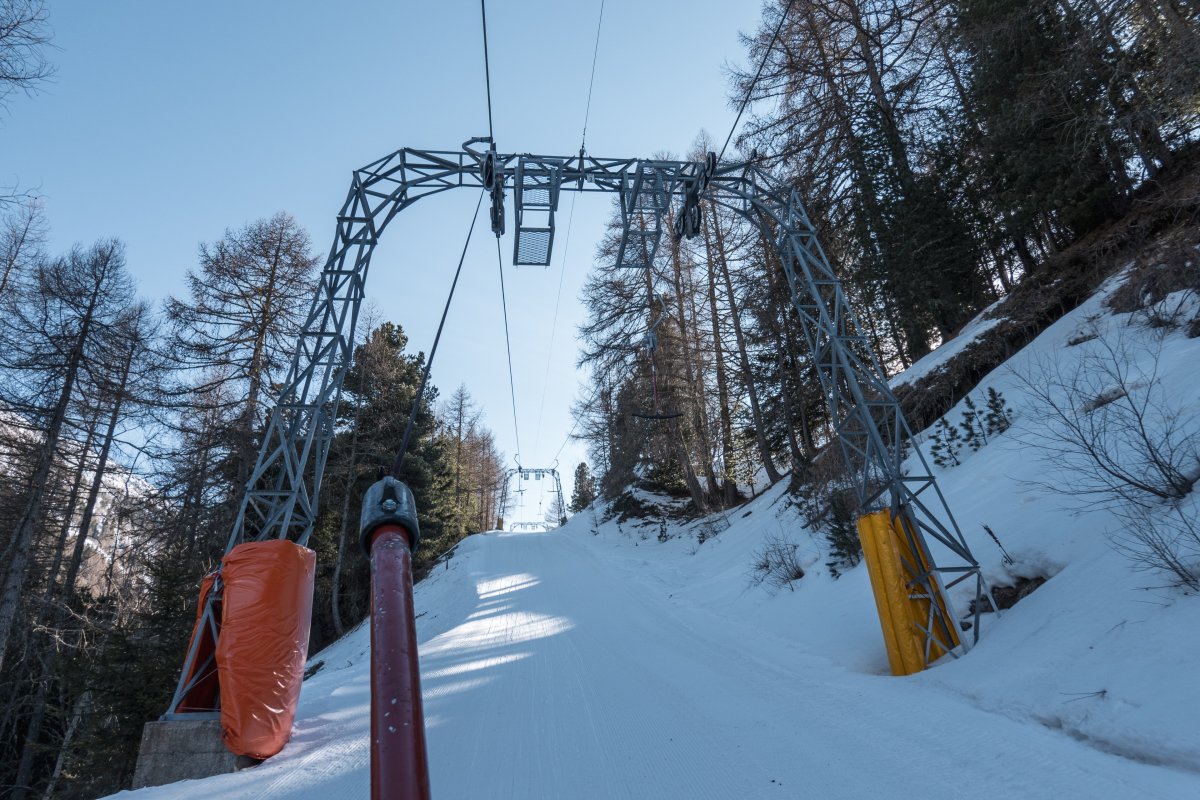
x=264 y=643
x=203 y=695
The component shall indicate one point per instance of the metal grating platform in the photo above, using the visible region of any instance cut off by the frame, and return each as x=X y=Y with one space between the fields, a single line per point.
x=533 y=246
x=537 y=182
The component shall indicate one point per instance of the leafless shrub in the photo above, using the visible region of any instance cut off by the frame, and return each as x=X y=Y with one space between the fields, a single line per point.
x=816 y=483
x=1124 y=447
x=777 y=563
x=1154 y=540
x=1110 y=426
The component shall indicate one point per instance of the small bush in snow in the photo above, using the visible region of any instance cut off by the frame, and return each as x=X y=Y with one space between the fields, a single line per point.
x=845 y=548
x=1113 y=438
x=945 y=444
x=1161 y=539
x=999 y=417
x=978 y=426
x=974 y=428
x=1107 y=423
x=777 y=563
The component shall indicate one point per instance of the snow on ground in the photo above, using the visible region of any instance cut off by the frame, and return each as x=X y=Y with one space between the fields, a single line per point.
x=598 y=662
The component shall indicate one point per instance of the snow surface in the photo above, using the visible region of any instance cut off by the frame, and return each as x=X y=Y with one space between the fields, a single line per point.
x=598 y=662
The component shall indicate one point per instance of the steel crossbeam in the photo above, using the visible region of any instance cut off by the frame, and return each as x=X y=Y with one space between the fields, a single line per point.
x=281 y=495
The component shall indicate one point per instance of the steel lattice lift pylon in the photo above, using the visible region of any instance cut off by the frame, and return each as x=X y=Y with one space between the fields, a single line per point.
x=281 y=496
x=527 y=474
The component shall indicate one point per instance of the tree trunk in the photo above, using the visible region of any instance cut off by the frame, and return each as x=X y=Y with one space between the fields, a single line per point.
x=335 y=592
x=689 y=473
x=21 y=784
x=694 y=382
x=779 y=312
x=85 y=523
x=247 y=457
x=728 y=471
x=81 y=706
x=764 y=451
x=64 y=533
x=18 y=566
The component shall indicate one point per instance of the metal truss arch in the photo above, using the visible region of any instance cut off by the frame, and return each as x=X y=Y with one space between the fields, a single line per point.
x=656 y=196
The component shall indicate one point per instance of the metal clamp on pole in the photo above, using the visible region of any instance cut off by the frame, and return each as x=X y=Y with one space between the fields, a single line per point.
x=389 y=532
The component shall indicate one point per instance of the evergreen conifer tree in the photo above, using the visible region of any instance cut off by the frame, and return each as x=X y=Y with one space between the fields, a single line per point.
x=999 y=416
x=974 y=427
x=945 y=444
x=585 y=488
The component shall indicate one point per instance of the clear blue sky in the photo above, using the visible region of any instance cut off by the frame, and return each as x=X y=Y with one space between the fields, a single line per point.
x=168 y=122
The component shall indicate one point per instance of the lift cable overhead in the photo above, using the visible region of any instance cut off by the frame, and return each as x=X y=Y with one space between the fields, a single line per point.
x=567 y=241
x=487 y=69
x=750 y=90
x=591 y=82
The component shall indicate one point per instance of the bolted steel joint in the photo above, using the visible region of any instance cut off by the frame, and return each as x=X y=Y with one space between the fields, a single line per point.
x=388 y=502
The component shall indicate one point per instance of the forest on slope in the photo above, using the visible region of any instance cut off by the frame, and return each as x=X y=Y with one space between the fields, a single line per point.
x=128 y=431
x=954 y=157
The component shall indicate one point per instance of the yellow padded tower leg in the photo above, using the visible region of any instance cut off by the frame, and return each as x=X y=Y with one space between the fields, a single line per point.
x=902 y=615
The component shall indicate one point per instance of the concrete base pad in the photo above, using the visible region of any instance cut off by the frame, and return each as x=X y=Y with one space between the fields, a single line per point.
x=178 y=750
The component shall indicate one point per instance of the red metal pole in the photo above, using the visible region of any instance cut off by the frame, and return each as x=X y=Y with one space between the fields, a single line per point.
x=399 y=764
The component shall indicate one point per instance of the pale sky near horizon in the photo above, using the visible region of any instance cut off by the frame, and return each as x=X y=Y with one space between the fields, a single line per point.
x=167 y=123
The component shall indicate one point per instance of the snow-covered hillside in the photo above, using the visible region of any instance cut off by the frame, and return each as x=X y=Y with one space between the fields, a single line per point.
x=600 y=662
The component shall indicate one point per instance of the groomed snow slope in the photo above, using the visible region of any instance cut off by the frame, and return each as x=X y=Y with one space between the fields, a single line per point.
x=576 y=664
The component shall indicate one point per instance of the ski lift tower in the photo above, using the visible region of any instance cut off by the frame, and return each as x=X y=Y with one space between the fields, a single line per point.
x=532 y=474
x=280 y=500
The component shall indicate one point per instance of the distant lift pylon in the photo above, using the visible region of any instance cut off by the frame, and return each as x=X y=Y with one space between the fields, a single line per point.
x=531 y=474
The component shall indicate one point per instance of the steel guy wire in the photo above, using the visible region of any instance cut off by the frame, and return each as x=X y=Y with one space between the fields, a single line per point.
x=487 y=69
x=592 y=80
x=562 y=271
x=567 y=243
x=750 y=90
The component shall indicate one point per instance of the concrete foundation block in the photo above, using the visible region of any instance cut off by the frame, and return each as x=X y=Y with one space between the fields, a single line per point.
x=179 y=750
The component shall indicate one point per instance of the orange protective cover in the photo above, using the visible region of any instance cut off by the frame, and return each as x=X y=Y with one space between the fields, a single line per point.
x=203 y=696
x=264 y=643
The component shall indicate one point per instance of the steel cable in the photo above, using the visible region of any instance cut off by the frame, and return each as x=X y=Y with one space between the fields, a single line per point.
x=750 y=90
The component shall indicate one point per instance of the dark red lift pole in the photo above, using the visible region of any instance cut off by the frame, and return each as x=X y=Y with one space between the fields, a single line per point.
x=399 y=764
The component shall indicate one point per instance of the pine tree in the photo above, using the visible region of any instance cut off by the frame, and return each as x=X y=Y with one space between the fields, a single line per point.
x=945 y=444
x=999 y=416
x=585 y=489
x=238 y=324
x=973 y=425
x=51 y=337
x=845 y=548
